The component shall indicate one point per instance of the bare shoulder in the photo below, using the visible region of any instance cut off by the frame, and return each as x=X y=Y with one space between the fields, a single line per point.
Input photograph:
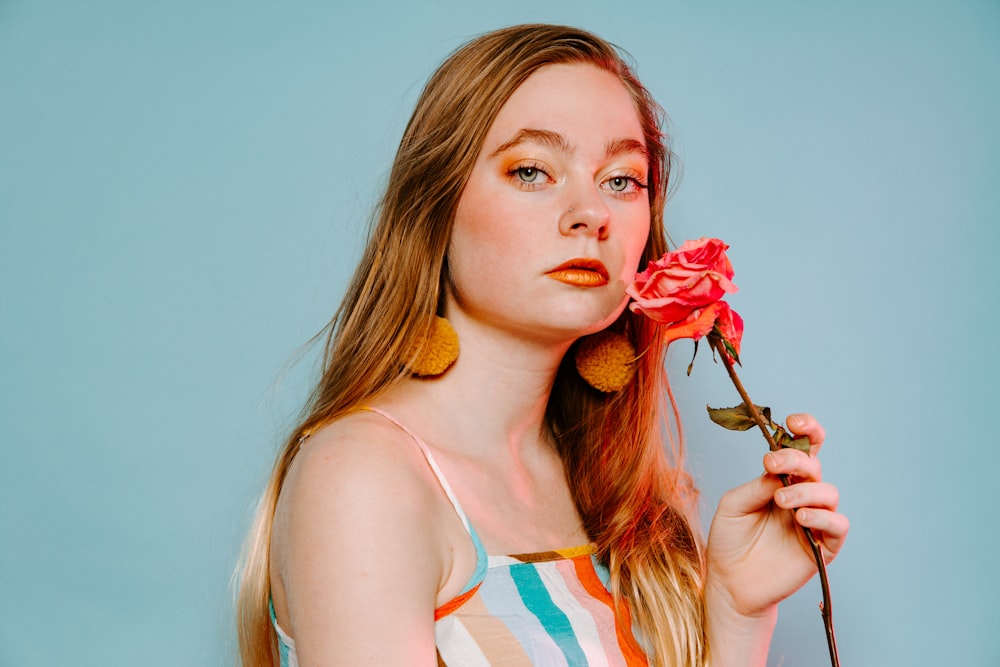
x=356 y=538
x=358 y=469
x=354 y=453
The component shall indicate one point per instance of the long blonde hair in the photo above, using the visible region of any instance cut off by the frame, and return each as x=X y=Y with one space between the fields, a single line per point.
x=635 y=503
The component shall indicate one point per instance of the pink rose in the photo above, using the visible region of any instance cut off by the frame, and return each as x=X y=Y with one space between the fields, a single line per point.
x=684 y=289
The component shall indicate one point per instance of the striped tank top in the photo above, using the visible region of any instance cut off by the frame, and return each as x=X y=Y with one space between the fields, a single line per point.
x=550 y=609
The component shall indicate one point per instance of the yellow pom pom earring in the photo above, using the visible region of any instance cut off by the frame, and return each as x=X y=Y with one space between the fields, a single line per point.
x=606 y=361
x=436 y=351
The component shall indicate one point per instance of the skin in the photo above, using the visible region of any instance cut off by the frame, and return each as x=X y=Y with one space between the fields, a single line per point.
x=544 y=191
x=752 y=531
x=365 y=544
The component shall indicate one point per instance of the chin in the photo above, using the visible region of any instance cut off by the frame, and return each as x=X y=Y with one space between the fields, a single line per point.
x=595 y=322
x=611 y=316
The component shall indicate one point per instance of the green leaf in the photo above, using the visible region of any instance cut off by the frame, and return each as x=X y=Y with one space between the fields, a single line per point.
x=801 y=444
x=735 y=419
x=784 y=439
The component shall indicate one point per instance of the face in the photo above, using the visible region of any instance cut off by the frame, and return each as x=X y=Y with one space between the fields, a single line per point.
x=554 y=218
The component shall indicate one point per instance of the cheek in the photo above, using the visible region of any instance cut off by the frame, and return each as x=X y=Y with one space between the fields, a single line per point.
x=488 y=229
x=484 y=242
x=636 y=246
x=482 y=248
x=493 y=236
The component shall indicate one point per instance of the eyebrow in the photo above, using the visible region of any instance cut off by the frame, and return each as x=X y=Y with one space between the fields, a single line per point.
x=617 y=147
x=552 y=139
x=558 y=142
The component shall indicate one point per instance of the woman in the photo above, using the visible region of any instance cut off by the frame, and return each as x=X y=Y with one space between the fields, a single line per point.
x=527 y=190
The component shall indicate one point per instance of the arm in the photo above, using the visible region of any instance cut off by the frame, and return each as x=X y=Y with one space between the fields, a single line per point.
x=757 y=555
x=356 y=549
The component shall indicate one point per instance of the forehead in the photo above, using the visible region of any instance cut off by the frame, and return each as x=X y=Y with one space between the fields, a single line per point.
x=575 y=99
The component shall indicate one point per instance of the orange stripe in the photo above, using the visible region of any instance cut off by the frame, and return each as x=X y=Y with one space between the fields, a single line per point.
x=633 y=653
x=454 y=603
x=598 y=610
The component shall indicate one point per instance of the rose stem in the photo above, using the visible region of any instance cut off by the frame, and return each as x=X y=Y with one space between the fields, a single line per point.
x=817 y=550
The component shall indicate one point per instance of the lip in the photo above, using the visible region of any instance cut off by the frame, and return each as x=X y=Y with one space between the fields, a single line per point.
x=581 y=272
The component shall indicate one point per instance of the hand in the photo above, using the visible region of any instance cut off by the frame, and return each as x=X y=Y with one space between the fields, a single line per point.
x=757 y=554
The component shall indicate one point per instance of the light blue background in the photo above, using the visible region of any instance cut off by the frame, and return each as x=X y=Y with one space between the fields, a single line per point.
x=183 y=187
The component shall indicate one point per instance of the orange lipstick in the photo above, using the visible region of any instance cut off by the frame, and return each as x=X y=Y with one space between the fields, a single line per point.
x=581 y=272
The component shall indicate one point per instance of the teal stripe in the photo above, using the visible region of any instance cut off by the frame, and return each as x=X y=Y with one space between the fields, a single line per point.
x=500 y=595
x=537 y=599
x=482 y=562
x=283 y=648
x=602 y=572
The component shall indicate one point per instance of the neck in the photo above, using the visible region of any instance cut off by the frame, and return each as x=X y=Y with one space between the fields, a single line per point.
x=492 y=399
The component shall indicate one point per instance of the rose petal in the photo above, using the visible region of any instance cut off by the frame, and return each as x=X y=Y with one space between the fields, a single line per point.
x=697 y=325
x=674 y=300
x=730 y=325
x=683 y=290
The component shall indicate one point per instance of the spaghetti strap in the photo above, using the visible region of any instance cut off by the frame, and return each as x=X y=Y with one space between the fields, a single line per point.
x=482 y=561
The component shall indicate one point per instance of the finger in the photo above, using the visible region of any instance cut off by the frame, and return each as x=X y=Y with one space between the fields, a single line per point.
x=806 y=424
x=748 y=497
x=808 y=494
x=830 y=528
x=793 y=462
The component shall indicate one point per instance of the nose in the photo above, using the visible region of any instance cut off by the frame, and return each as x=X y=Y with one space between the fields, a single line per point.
x=587 y=213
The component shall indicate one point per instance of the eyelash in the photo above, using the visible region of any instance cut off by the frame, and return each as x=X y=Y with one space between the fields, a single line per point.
x=637 y=184
x=516 y=174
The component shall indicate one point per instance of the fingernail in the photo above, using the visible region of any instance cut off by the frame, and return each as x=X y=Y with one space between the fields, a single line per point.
x=794 y=420
x=781 y=497
x=804 y=515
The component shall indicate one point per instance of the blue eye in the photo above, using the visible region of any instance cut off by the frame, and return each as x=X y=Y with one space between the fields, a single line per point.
x=527 y=174
x=619 y=183
x=624 y=185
